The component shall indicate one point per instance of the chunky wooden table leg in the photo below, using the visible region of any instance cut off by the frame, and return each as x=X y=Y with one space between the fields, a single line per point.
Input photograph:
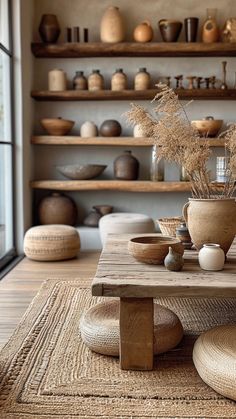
x=136 y=333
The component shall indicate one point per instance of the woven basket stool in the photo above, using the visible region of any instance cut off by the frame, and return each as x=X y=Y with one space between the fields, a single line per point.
x=214 y=356
x=125 y=222
x=99 y=328
x=51 y=242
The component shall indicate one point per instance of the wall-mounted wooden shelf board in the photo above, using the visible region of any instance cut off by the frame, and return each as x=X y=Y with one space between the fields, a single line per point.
x=111 y=185
x=105 y=141
x=85 y=95
x=134 y=49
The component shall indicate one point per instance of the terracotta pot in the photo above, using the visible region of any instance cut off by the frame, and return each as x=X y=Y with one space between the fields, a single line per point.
x=126 y=167
x=143 y=32
x=57 y=209
x=57 y=126
x=49 y=28
x=211 y=221
x=110 y=128
x=112 y=26
x=170 y=29
x=210 y=29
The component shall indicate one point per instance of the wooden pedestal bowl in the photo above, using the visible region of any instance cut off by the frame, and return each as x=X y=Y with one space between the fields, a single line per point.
x=208 y=127
x=153 y=249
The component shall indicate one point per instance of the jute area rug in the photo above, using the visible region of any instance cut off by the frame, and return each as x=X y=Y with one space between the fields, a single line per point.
x=47 y=372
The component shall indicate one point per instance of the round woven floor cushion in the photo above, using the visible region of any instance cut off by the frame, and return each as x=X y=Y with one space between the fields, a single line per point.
x=51 y=242
x=125 y=222
x=99 y=328
x=214 y=356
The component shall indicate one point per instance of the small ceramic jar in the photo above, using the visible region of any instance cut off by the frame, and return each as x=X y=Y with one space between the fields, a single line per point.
x=211 y=257
x=95 y=81
x=138 y=131
x=88 y=129
x=119 y=80
x=57 y=80
x=79 y=81
x=142 y=80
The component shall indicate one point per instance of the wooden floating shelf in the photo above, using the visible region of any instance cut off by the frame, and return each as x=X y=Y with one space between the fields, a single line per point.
x=111 y=185
x=85 y=95
x=106 y=141
x=134 y=49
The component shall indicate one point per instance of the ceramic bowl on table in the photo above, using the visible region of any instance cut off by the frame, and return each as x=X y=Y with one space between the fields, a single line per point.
x=57 y=126
x=81 y=171
x=170 y=29
x=152 y=249
x=208 y=127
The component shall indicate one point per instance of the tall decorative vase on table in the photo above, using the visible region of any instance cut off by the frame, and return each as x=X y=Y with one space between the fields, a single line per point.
x=211 y=221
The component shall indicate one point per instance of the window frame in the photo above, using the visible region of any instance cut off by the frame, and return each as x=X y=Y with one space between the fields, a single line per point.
x=10 y=254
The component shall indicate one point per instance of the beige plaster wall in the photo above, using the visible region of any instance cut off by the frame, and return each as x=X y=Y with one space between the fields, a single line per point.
x=88 y=14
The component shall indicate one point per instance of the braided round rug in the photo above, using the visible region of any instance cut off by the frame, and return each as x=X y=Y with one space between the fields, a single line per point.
x=47 y=372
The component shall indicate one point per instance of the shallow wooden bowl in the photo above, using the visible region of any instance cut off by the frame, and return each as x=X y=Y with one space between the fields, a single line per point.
x=57 y=126
x=153 y=249
x=81 y=171
x=208 y=127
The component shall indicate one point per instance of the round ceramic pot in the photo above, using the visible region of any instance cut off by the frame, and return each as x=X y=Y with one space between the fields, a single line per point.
x=143 y=32
x=211 y=257
x=211 y=221
x=110 y=128
x=57 y=209
x=112 y=26
x=88 y=129
x=57 y=80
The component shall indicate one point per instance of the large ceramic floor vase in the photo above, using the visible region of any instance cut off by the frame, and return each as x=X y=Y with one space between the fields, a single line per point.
x=211 y=221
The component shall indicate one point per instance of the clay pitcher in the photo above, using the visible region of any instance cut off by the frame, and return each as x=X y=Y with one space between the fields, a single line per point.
x=211 y=221
x=112 y=26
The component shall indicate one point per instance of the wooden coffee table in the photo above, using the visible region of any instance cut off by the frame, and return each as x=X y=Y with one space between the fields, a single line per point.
x=136 y=284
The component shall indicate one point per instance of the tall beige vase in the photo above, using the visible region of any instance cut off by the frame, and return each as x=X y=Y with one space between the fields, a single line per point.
x=211 y=221
x=112 y=26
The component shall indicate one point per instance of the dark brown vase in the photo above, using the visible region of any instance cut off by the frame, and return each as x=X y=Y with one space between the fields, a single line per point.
x=92 y=219
x=57 y=209
x=191 y=27
x=126 y=167
x=170 y=29
x=110 y=128
x=49 y=29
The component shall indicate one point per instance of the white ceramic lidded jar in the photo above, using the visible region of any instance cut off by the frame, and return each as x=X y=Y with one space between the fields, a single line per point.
x=57 y=80
x=88 y=129
x=211 y=257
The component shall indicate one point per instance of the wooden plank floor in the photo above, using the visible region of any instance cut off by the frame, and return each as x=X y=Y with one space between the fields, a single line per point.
x=21 y=284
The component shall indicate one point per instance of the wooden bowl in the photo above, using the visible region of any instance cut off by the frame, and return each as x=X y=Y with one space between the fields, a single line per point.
x=208 y=127
x=81 y=171
x=153 y=249
x=57 y=126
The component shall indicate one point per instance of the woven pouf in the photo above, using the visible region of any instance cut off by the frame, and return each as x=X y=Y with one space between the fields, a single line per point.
x=125 y=222
x=214 y=356
x=51 y=242
x=99 y=328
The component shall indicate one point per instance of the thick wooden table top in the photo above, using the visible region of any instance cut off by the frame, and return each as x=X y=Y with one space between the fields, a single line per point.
x=120 y=275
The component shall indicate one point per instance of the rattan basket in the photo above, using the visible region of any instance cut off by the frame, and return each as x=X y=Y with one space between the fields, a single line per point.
x=169 y=225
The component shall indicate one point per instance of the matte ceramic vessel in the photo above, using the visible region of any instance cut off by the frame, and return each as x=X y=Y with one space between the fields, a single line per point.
x=79 y=81
x=57 y=80
x=173 y=261
x=88 y=129
x=57 y=209
x=143 y=32
x=126 y=167
x=191 y=28
x=211 y=257
x=170 y=29
x=95 y=81
x=92 y=219
x=119 y=80
x=110 y=128
x=211 y=221
x=49 y=28
x=183 y=235
x=142 y=80
x=112 y=26
x=57 y=126
x=138 y=131
x=210 y=29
